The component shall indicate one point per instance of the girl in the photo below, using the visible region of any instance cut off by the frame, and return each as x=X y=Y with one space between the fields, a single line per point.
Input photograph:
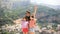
x=24 y=26
x=32 y=25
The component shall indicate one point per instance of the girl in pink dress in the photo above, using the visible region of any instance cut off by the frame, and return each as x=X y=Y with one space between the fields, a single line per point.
x=24 y=26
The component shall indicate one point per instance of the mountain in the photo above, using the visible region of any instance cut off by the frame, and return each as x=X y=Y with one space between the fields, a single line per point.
x=20 y=4
x=45 y=14
x=54 y=6
x=48 y=14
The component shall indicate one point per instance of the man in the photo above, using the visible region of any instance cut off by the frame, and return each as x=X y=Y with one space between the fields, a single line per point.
x=27 y=15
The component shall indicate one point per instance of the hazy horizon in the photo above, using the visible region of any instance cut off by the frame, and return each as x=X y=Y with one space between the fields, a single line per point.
x=49 y=2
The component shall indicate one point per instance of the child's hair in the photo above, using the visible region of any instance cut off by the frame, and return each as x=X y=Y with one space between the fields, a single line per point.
x=25 y=18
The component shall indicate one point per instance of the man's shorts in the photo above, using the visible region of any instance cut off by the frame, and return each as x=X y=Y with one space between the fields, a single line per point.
x=32 y=29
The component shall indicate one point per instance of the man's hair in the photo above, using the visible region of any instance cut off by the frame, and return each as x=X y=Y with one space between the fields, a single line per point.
x=27 y=12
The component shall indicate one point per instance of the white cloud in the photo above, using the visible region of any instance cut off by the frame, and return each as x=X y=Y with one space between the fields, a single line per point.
x=15 y=0
x=51 y=2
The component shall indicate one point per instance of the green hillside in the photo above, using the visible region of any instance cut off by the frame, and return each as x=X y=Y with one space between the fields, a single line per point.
x=7 y=15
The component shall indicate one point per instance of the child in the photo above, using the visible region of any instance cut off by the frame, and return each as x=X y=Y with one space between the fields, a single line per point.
x=24 y=26
x=32 y=25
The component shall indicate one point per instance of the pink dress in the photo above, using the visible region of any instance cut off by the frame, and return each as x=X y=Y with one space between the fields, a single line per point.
x=25 y=26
